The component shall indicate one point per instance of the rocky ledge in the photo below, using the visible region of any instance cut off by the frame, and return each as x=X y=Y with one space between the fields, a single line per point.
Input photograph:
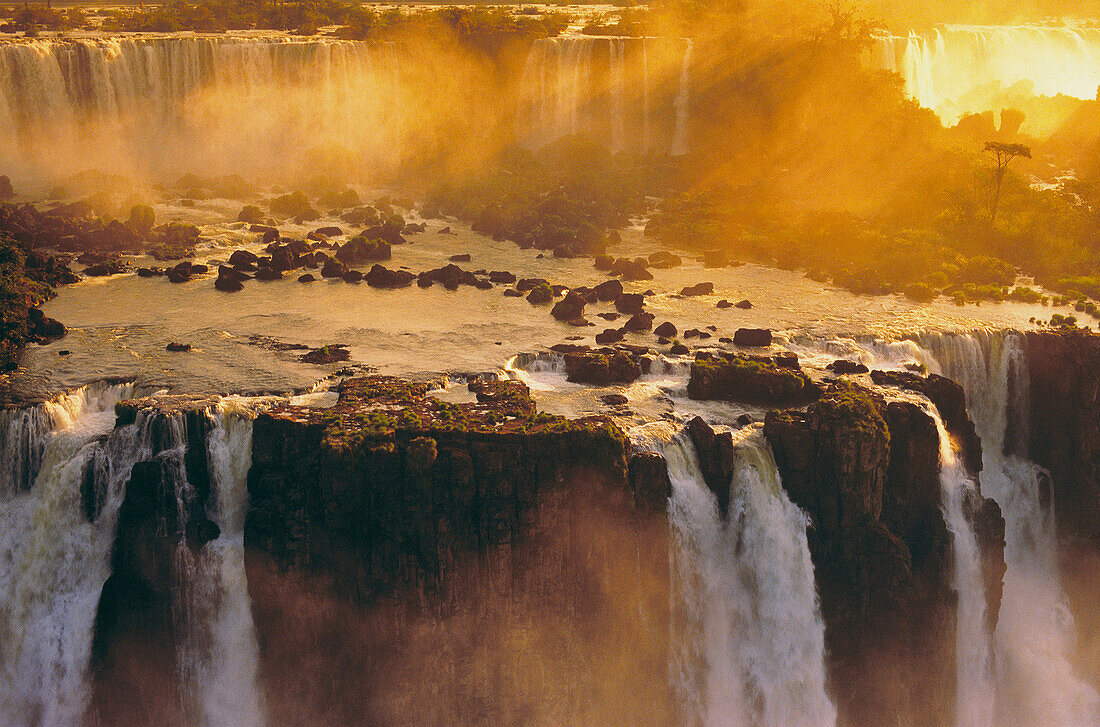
x=769 y=380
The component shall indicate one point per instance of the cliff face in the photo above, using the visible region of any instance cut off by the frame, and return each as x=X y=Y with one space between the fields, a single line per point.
x=438 y=530
x=1064 y=425
x=867 y=472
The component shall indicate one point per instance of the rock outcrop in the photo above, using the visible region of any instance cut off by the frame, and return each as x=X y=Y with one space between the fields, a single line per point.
x=764 y=380
x=1063 y=430
x=867 y=473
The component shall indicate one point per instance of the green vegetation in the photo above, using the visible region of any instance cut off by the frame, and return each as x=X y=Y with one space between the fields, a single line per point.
x=485 y=28
x=18 y=294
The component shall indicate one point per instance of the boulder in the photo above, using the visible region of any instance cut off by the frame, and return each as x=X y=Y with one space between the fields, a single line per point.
x=540 y=295
x=608 y=291
x=756 y=337
x=178 y=347
x=630 y=303
x=665 y=330
x=698 y=289
x=600 y=368
x=743 y=305
x=360 y=250
x=755 y=380
x=569 y=308
x=639 y=322
x=843 y=366
x=381 y=277
x=609 y=336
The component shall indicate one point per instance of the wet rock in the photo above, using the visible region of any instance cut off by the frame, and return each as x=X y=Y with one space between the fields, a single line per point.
x=744 y=420
x=142 y=219
x=639 y=322
x=178 y=347
x=359 y=250
x=724 y=304
x=381 y=277
x=843 y=366
x=307 y=278
x=608 y=291
x=568 y=308
x=756 y=337
x=664 y=260
x=630 y=270
x=679 y=349
x=353 y=276
x=502 y=276
x=268 y=274
x=756 y=379
x=608 y=316
x=630 y=303
x=716 y=460
x=649 y=481
x=601 y=368
x=698 y=289
x=512 y=293
x=107 y=267
x=540 y=295
x=604 y=262
x=463 y=258
x=332 y=353
x=614 y=399
x=229 y=279
x=6 y=191
x=743 y=305
x=609 y=336
x=333 y=269
x=325 y=232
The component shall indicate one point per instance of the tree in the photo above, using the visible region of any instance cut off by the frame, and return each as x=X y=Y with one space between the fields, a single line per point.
x=1002 y=154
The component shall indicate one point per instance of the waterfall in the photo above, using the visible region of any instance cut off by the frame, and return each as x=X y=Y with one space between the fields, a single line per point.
x=683 y=104
x=138 y=103
x=610 y=89
x=219 y=654
x=1035 y=681
x=750 y=638
x=960 y=69
x=54 y=559
x=973 y=650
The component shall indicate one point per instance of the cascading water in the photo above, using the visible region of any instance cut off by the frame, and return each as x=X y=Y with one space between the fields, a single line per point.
x=54 y=560
x=140 y=104
x=748 y=627
x=610 y=89
x=1035 y=681
x=219 y=654
x=957 y=68
x=973 y=647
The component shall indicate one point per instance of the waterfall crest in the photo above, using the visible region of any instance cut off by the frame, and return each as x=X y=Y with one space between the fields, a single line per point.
x=1035 y=681
x=748 y=626
x=219 y=653
x=611 y=89
x=137 y=101
x=956 y=69
x=55 y=555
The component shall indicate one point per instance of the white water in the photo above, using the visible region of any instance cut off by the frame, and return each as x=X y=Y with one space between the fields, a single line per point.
x=960 y=68
x=974 y=691
x=140 y=104
x=219 y=654
x=1035 y=682
x=53 y=562
x=747 y=627
x=608 y=89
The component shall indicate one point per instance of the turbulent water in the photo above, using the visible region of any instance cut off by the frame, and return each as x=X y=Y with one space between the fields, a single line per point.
x=959 y=68
x=973 y=647
x=54 y=560
x=1035 y=682
x=749 y=640
x=219 y=655
x=138 y=104
x=612 y=89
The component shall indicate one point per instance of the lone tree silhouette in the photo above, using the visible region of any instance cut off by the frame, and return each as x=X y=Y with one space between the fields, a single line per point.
x=1002 y=154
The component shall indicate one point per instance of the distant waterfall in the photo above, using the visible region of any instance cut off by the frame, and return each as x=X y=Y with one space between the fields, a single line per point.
x=54 y=560
x=632 y=94
x=142 y=103
x=219 y=654
x=974 y=658
x=749 y=635
x=1035 y=682
x=960 y=68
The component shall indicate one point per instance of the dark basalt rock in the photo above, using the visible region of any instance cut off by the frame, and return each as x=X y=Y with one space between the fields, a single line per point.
x=715 y=451
x=178 y=347
x=601 y=368
x=569 y=308
x=950 y=400
x=664 y=260
x=268 y=274
x=630 y=303
x=609 y=336
x=1064 y=425
x=501 y=276
x=630 y=269
x=723 y=304
x=107 y=267
x=332 y=353
x=307 y=278
x=639 y=322
x=381 y=277
x=463 y=258
x=698 y=289
x=359 y=250
x=353 y=276
x=867 y=473
x=604 y=262
x=752 y=337
x=333 y=269
x=752 y=379
x=665 y=330
x=843 y=366
x=649 y=481
x=608 y=291
x=743 y=305
x=540 y=295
